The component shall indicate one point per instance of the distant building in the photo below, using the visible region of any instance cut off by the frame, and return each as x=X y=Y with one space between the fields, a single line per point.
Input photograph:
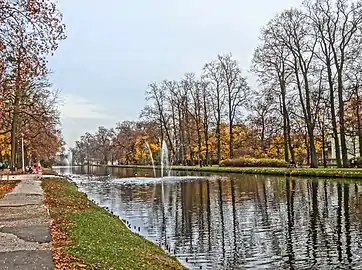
x=352 y=143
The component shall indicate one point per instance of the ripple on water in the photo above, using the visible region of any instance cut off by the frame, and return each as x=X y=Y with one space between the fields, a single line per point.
x=154 y=180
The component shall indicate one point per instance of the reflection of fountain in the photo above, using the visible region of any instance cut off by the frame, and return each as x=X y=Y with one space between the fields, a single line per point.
x=164 y=164
x=153 y=162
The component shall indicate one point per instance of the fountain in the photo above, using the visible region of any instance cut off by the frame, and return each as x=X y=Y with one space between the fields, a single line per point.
x=165 y=164
x=70 y=159
x=153 y=162
x=165 y=160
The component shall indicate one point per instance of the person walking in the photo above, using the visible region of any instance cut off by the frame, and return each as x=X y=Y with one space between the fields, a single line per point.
x=36 y=169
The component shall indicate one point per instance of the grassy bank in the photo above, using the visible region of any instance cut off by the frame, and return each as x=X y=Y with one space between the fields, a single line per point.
x=48 y=171
x=6 y=187
x=320 y=172
x=86 y=236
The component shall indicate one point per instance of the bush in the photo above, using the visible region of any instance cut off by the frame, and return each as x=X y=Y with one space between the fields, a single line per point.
x=355 y=162
x=253 y=162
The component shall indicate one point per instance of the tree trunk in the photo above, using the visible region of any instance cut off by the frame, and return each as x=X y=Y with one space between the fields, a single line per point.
x=198 y=124
x=290 y=142
x=13 y=133
x=231 y=139
x=105 y=157
x=161 y=129
x=308 y=149
x=333 y=114
x=359 y=126
x=218 y=122
x=341 y=122
x=262 y=135
x=310 y=126
x=207 y=155
x=307 y=115
x=206 y=127
x=313 y=154
x=174 y=158
x=182 y=135
x=218 y=138
x=14 y=122
x=188 y=134
x=324 y=145
x=285 y=128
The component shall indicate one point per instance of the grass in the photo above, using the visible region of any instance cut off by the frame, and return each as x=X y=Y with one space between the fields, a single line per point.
x=86 y=236
x=308 y=172
x=7 y=186
x=47 y=171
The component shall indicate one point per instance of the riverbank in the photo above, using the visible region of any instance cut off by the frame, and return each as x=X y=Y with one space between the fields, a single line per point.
x=86 y=236
x=303 y=172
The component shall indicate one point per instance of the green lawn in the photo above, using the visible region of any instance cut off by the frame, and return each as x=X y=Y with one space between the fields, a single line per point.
x=320 y=172
x=86 y=236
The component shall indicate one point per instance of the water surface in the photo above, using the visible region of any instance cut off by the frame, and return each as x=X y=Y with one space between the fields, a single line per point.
x=237 y=221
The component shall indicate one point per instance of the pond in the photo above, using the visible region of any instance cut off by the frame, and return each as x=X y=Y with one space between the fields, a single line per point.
x=235 y=221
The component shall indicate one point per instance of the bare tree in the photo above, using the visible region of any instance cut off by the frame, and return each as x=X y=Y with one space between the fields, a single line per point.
x=263 y=118
x=295 y=34
x=196 y=94
x=338 y=28
x=206 y=121
x=213 y=76
x=237 y=91
x=158 y=94
x=271 y=64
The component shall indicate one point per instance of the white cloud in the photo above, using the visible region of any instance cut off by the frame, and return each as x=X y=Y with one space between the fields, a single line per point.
x=77 y=107
x=79 y=115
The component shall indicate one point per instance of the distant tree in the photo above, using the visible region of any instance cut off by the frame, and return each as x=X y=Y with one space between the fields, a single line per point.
x=237 y=91
x=213 y=77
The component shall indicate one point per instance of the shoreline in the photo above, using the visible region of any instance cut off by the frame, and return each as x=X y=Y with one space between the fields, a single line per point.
x=302 y=172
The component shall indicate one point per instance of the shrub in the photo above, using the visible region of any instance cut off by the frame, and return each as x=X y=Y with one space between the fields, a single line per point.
x=356 y=162
x=253 y=162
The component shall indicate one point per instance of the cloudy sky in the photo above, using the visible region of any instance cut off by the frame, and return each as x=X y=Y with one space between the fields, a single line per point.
x=115 y=48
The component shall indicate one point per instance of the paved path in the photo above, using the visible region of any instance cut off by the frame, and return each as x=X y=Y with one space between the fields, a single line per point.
x=24 y=227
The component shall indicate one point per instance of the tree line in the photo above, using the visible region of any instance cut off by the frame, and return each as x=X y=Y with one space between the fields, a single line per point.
x=308 y=65
x=30 y=31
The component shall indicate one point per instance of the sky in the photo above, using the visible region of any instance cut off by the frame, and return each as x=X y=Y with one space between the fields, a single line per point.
x=116 y=48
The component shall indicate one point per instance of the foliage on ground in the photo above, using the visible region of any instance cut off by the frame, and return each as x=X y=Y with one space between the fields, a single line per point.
x=307 y=172
x=254 y=162
x=6 y=187
x=86 y=236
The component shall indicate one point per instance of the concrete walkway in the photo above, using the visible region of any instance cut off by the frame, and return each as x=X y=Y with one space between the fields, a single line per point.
x=25 y=241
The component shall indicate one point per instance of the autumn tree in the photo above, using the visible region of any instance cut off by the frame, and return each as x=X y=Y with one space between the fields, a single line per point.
x=29 y=32
x=126 y=141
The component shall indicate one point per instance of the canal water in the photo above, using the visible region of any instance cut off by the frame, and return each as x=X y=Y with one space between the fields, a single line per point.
x=235 y=221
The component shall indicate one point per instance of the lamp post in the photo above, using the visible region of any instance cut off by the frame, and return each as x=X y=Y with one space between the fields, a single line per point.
x=22 y=152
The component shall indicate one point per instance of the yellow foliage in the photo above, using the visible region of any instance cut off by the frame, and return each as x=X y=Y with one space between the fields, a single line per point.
x=5 y=146
x=154 y=147
x=141 y=152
